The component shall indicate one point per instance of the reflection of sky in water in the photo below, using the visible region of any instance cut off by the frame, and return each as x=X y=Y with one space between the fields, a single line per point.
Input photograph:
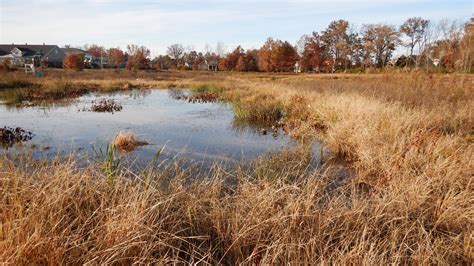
x=194 y=130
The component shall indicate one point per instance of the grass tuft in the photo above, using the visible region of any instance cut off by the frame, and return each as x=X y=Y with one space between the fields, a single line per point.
x=126 y=141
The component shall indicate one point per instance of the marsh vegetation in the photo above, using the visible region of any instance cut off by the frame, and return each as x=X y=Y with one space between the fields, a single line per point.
x=403 y=140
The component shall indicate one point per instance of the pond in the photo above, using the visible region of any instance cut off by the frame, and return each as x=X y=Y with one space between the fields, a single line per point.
x=201 y=132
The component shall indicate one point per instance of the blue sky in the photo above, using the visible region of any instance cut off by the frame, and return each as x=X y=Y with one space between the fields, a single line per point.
x=158 y=24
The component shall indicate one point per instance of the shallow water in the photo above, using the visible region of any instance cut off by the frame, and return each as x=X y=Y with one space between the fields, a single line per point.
x=202 y=132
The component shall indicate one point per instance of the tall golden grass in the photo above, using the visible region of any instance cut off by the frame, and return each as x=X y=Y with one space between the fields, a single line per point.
x=407 y=140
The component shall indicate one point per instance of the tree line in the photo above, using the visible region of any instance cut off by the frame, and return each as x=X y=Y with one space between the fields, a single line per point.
x=339 y=47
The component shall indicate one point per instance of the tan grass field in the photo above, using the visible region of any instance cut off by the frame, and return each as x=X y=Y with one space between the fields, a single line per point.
x=407 y=138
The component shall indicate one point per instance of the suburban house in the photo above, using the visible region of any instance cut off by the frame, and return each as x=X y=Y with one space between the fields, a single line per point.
x=209 y=65
x=76 y=51
x=21 y=54
x=89 y=59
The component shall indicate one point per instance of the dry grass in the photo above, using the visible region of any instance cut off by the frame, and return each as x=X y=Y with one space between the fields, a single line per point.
x=407 y=138
x=126 y=141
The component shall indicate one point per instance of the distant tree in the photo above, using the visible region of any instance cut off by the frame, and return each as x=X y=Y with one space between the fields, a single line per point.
x=98 y=53
x=415 y=30
x=138 y=57
x=74 y=61
x=95 y=50
x=233 y=58
x=301 y=43
x=223 y=63
x=379 y=43
x=176 y=52
x=355 y=54
x=251 y=60
x=286 y=57
x=314 y=52
x=467 y=47
x=337 y=41
x=448 y=46
x=241 y=64
x=190 y=59
x=199 y=60
x=265 y=62
x=116 y=57
x=277 y=56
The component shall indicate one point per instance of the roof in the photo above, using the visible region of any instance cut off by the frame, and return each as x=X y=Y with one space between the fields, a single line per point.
x=74 y=51
x=28 y=49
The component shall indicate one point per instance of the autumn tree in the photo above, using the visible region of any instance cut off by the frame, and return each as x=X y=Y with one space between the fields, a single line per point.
x=241 y=64
x=251 y=60
x=176 y=52
x=138 y=57
x=379 y=43
x=231 y=60
x=277 y=56
x=95 y=50
x=337 y=41
x=116 y=57
x=74 y=61
x=313 y=53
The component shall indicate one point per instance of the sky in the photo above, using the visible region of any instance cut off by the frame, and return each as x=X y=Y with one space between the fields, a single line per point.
x=158 y=24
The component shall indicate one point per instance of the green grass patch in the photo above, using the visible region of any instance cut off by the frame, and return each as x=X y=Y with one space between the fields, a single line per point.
x=207 y=88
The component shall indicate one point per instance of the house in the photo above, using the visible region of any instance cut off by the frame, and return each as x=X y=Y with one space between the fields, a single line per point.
x=209 y=65
x=21 y=54
x=161 y=62
x=88 y=58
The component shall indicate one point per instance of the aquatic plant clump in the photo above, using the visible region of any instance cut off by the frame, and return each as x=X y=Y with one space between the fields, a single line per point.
x=105 y=106
x=201 y=97
x=126 y=141
x=9 y=135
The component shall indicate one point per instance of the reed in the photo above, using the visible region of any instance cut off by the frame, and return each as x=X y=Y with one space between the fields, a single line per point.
x=126 y=141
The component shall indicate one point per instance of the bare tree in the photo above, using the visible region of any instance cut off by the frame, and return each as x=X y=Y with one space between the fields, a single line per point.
x=415 y=29
x=221 y=49
x=176 y=52
x=379 y=43
x=301 y=43
x=336 y=39
x=448 y=47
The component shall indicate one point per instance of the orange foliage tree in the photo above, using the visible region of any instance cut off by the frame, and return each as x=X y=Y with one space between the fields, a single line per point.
x=96 y=51
x=116 y=57
x=138 y=57
x=74 y=61
x=277 y=56
x=314 y=53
